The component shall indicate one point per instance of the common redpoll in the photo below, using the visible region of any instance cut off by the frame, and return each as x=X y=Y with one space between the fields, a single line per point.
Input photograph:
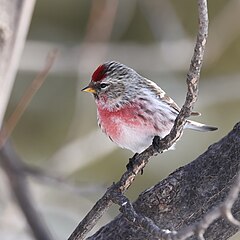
x=131 y=109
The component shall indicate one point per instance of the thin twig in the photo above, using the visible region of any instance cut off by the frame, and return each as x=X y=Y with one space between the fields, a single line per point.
x=59 y=182
x=141 y=160
x=26 y=99
x=99 y=26
x=101 y=20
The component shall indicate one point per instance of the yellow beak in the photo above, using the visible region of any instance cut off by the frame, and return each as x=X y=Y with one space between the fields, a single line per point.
x=89 y=89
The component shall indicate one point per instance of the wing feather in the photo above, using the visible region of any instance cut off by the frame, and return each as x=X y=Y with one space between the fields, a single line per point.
x=165 y=98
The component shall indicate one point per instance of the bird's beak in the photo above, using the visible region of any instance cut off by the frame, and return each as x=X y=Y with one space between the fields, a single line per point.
x=89 y=89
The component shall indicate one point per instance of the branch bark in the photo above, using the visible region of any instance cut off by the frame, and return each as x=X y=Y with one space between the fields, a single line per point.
x=186 y=195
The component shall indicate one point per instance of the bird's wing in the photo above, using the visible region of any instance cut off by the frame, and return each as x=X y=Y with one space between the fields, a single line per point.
x=165 y=98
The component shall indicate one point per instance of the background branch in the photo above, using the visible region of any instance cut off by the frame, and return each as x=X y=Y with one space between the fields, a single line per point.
x=12 y=121
x=15 y=18
x=11 y=164
x=56 y=181
x=14 y=22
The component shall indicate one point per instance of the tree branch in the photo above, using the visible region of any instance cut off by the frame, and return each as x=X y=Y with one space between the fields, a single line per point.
x=35 y=85
x=14 y=21
x=11 y=164
x=47 y=178
x=190 y=200
x=142 y=159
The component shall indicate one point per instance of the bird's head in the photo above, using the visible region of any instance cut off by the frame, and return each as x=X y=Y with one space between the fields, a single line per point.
x=110 y=84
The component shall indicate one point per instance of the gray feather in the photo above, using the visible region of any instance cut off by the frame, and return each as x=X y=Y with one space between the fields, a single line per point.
x=199 y=126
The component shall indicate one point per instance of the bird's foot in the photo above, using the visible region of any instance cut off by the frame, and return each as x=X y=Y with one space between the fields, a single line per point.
x=156 y=144
x=129 y=166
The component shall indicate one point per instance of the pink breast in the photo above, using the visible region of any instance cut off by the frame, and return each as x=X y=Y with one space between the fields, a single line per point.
x=112 y=121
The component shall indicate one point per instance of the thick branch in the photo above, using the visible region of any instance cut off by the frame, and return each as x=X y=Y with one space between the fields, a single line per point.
x=187 y=195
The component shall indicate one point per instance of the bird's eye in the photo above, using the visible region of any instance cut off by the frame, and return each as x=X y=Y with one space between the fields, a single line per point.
x=103 y=85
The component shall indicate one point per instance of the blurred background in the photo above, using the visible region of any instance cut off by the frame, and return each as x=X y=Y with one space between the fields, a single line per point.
x=58 y=132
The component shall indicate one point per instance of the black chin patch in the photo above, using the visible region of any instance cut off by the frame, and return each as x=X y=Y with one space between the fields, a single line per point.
x=96 y=96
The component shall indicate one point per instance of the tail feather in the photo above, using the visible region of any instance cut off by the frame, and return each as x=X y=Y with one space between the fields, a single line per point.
x=199 y=126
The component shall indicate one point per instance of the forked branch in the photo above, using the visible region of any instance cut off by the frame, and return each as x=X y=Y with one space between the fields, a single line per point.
x=198 y=199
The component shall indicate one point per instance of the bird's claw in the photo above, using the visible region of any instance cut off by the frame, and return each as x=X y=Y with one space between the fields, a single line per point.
x=129 y=166
x=156 y=143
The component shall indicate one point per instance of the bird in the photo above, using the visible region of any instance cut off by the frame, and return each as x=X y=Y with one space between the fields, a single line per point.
x=131 y=109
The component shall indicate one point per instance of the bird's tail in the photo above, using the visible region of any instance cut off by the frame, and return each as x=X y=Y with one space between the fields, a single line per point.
x=199 y=126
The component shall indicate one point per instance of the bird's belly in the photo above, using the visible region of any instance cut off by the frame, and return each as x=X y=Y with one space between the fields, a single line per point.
x=132 y=128
x=135 y=139
x=132 y=132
